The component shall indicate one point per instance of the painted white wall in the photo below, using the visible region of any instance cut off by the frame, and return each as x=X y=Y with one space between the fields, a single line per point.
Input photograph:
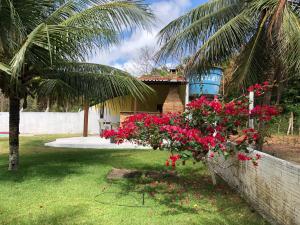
x=272 y=187
x=52 y=122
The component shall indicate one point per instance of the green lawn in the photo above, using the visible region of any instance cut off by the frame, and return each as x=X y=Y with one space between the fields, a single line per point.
x=69 y=186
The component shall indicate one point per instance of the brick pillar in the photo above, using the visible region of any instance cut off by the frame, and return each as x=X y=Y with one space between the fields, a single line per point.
x=173 y=102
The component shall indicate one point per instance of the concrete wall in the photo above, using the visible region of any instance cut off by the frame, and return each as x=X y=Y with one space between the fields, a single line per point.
x=52 y=122
x=272 y=188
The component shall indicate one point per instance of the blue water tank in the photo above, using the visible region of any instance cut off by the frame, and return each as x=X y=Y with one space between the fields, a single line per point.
x=207 y=84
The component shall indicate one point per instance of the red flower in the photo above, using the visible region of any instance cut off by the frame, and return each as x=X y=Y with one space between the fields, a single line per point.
x=167 y=163
x=258 y=88
x=251 y=88
x=108 y=133
x=237 y=123
x=220 y=137
x=216 y=105
x=243 y=157
x=173 y=159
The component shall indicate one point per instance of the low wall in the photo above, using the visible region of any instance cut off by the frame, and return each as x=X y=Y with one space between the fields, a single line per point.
x=272 y=188
x=52 y=122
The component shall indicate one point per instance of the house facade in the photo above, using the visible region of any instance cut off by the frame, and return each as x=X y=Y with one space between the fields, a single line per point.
x=172 y=92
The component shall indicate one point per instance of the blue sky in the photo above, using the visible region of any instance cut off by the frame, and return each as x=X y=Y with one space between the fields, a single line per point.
x=124 y=56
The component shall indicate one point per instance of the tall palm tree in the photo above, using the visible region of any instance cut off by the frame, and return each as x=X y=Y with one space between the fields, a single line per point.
x=43 y=46
x=261 y=36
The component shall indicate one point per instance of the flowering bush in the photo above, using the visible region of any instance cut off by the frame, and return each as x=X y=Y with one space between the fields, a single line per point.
x=206 y=129
x=259 y=89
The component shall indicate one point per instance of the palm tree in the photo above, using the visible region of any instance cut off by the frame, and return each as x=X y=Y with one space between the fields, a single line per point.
x=43 y=46
x=260 y=36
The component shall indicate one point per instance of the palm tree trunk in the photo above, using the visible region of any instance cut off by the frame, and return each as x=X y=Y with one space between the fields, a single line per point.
x=14 y=120
x=279 y=93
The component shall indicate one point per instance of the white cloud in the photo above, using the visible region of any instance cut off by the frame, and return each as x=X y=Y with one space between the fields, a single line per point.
x=128 y=50
x=130 y=66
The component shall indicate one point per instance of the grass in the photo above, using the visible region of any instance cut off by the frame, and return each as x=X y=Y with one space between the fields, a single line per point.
x=69 y=186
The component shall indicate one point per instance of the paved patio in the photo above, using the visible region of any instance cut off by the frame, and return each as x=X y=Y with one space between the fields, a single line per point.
x=92 y=142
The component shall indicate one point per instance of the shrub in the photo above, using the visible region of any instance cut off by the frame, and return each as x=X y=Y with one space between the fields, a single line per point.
x=206 y=129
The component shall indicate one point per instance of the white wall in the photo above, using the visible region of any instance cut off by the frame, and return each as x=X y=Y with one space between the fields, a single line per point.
x=273 y=187
x=52 y=122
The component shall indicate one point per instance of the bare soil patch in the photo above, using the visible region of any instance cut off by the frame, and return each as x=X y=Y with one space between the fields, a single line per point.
x=284 y=147
x=117 y=173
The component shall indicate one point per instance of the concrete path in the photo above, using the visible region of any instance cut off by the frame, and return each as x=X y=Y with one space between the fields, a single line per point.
x=92 y=142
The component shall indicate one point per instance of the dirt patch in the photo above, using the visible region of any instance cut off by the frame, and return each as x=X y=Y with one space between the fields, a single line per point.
x=117 y=173
x=160 y=174
x=284 y=147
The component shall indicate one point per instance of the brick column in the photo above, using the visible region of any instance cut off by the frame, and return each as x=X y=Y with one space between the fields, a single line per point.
x=173 y=102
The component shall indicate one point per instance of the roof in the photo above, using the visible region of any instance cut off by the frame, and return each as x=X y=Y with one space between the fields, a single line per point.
x=170 y=78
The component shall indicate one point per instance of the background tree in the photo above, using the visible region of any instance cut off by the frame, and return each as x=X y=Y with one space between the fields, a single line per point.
x=145 y=62
x=262 y=37
x=43 y=46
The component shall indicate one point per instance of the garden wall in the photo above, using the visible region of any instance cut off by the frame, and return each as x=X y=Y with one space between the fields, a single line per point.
x=52 y=122
x=272 y=188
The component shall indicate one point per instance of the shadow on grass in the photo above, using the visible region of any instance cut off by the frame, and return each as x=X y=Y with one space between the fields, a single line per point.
x=39 y=162
x=194 y=193
x=64 y=215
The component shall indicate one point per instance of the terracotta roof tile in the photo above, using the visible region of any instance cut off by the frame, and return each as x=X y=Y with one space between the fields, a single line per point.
x=167 y=78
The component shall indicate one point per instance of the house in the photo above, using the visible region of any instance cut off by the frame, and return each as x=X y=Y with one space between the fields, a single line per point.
x=172 y=92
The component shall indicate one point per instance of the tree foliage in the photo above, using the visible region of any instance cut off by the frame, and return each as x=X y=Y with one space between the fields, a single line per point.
x=43 y=45
x=262 y=37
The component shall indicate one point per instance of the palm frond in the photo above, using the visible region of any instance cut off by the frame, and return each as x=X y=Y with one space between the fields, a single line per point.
x=176 y=26
x=55 y=89
x=5 y=68
x=96 y=83
x=73 y=42
x=224 y=43
x=290 y=42
x=78 y=28
x=17 y=62
x=193 y=36
x=251 y=60
x=114 y=15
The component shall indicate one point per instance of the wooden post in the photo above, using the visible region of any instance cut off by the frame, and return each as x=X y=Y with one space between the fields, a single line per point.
x=291 y=125
x=85 y=119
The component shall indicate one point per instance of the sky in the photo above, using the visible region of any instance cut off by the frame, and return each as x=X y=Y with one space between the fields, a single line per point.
x=125 y=54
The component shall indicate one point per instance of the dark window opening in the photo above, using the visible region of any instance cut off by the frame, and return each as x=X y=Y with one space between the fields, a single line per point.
x=101 y=112
x=159 y=108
